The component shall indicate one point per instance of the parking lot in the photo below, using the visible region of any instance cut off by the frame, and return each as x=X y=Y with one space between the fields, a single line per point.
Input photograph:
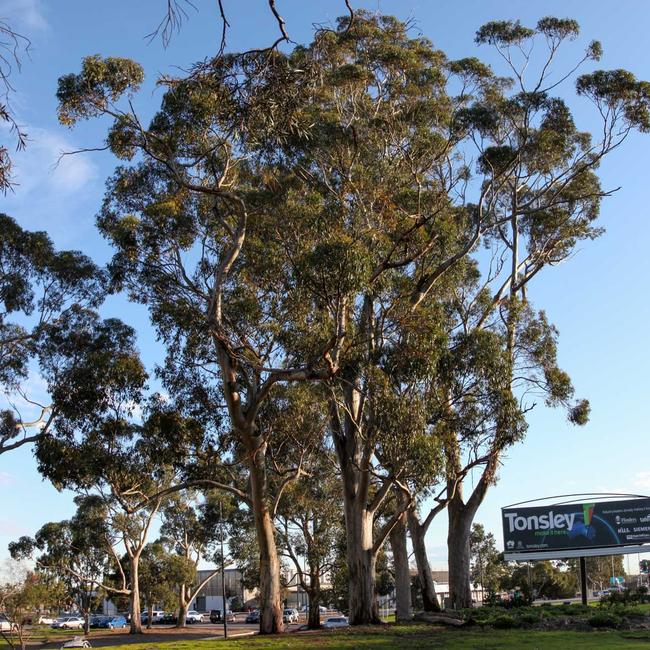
x=162 y=633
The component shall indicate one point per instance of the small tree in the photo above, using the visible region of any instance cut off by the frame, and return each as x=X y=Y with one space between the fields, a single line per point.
x=487 y=565
x=19 y=598
x=191 y=531
x=129 y=460
x=74 y=552
x=159 y=575
x=309 y=521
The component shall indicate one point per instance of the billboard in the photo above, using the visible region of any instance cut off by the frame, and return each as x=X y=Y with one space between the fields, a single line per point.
x=576 y=526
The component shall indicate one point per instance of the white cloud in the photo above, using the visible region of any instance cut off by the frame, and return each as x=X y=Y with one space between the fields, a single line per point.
x=41 y=167
x=59 y=195
x=28 y=14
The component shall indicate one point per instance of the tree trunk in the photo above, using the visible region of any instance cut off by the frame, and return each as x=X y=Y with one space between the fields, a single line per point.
x=402 y=575
x=182 y=614
x=134 y=597
x=181 y=621
x=313 y=618
x=460 y=522
x=149 y=615
x=430 y=601
x=87 y=622
x=270 y=594
x=361 y=563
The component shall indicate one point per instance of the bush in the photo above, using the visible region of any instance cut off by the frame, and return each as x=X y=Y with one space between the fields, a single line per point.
x=504 y=622
x=602 y=619
x=530 y=618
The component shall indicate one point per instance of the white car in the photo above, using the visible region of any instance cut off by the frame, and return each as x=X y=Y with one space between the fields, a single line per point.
x=290 y=616
x=69 y=623
x=45 y=620
x=336 y=621
x=77 y=642
x=6 y=625
x=157 y=616
x=194 y=617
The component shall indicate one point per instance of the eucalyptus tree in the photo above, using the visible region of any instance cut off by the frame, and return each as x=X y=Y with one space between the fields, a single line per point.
x=159 y=575
x=309 y=522
x=179 y=217
x=391 y=134
x=547 y=187
x=38 y=286
x=107 y=441
x=192 y=531
x=74 y=552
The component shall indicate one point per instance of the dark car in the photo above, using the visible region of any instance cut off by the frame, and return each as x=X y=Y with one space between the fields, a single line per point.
x=253 y=617
x=97 y=620
x=169 y=618
x=215 y=616
x=113 y=622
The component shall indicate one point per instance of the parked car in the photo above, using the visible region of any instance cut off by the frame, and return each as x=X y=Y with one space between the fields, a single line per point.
x=290 y=616
x=95 y=621
x=169 y=618
x=194 y=617
x=6 y=625
x=253 y=617
x=335 y=621
x=112 y=622
x=215 y=616
x=77 y=642
x=69 y=623
x=156 y=617
x=45 y=620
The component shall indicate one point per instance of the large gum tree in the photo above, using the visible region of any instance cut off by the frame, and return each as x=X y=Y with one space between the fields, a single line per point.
x=536 y=172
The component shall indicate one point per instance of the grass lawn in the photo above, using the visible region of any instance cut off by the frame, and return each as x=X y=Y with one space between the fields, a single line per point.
x=416 y=636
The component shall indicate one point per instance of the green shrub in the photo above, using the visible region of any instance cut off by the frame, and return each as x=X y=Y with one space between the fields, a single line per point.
x=605 y=619
x=504 y=622
x=530 y=618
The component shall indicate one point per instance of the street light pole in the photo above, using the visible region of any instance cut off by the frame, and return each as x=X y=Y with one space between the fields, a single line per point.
x=223 y=575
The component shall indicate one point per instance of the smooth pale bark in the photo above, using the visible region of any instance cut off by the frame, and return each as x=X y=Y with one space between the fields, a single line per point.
x=270 y=588
x=353 y=455
x=134 y=596
x=362 y=559
x=430 y=602
x=398 y=545
x=460 y=523
x=461 y=514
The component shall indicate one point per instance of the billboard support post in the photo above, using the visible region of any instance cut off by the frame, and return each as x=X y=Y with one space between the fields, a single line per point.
x=583 y=579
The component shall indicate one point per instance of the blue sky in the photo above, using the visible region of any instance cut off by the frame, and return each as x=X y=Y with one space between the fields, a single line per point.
x=597 y=299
